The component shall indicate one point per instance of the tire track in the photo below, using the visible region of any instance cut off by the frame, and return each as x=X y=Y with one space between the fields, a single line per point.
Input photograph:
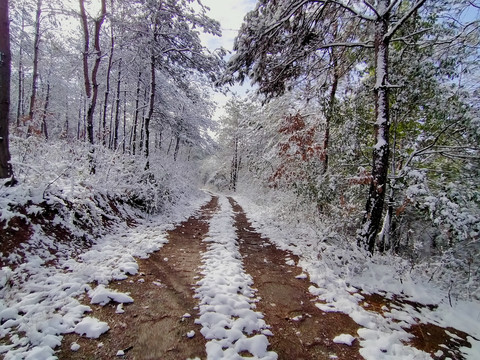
x=300 y=329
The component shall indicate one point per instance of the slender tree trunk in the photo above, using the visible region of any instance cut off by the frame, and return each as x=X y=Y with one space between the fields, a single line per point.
x=84 y=133
x=5 y=72
x=170 y=145
x=150 y=109
x=330 y=111
x=79 y=122
x=107 y=83
x=67 y=126
x=142 y=127
x=45 y=109
x=160 y=136
x=36 y=47
x=135 y=118
x=20 y=73
x=177 y=146
x=124 y=120
x=93 y=85
x=376 y=197
x=234 y=169
x=117 y=107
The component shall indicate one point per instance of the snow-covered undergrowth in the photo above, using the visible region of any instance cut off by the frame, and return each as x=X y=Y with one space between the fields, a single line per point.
x=227 y=301
x=77 y=237
x=340 y=271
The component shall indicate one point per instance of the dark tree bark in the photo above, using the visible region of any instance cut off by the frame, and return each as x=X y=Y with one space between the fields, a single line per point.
x=91 y=86
x=117 y=107
x=177 y=147
x=5 y=72
x=67 y=122
x=124 y=120
x=234 y=168
x=45 y=109
x=135 y=118
x=142 y=125
x=33 y=95
x=150 y=110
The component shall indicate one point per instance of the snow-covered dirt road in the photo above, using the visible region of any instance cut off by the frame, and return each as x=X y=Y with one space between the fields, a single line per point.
x=216 y=290
x=211 y=287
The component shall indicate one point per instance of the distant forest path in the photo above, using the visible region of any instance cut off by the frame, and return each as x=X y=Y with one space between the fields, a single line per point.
x=159 y=324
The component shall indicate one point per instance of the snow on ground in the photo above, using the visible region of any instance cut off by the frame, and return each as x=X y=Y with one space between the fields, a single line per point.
x=339 y=273
x=38 y=302
x=229 y=321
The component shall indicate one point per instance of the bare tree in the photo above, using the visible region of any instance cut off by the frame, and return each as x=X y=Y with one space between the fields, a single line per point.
x=91 y=84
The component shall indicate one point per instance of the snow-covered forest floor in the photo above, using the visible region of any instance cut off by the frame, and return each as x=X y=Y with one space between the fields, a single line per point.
x=214 y=286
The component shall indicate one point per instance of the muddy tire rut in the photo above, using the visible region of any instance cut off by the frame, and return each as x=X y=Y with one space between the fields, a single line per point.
x=155 y=326
x=301 y=330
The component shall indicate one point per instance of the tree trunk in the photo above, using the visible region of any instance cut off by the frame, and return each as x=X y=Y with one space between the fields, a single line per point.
x=5 y=71
x=117 y=107
x=91 y=95
x=234 y=169
x=135 y=118
x=93 y=84
x=330 y=111
x=79 y=122
x=170 y=145
x=124 y=120
x=376 y=197
x=45 y=109
x=36 y=46
x=67 y=125
x=177 y=146
x=150 y=109
x=20 y=73
x=142 y=126
x=107 y=83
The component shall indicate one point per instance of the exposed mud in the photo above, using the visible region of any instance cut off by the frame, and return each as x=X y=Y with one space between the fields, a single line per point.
x=155 y=325
x=441 y=343
x=301 y=330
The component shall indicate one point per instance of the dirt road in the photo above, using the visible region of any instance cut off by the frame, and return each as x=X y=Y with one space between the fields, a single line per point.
x=156 y=325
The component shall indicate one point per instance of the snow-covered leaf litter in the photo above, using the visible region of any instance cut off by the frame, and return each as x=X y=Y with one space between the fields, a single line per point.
x=338 y=273
x=38 y=303
x=227 y=301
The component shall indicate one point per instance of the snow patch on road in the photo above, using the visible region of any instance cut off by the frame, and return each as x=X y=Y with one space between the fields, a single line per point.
x=227 y=302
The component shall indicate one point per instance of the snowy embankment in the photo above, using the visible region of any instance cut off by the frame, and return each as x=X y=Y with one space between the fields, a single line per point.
x=227 y=316
x=40 y=302
x=340 y=273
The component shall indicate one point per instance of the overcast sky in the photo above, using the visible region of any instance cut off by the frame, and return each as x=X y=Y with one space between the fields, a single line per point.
x=230 y=14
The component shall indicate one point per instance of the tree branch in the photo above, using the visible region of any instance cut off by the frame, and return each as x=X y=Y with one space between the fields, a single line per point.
x=367 y=44
x=355 y=12
x=405 y=17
